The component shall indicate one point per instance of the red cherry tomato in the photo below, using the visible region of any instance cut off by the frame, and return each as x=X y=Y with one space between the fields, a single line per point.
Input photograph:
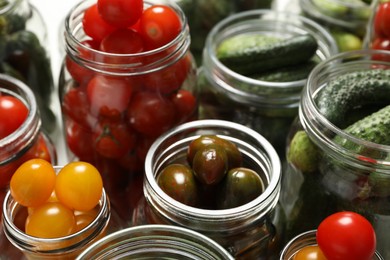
x=120 y=13
x=79 y=140
x=107 y=95
x=13 y=112
x=309 y=253
x=94 y=25
x=346 y=235
x=151 y=114
x=381 y=44
x=159 y=24
x=382 y=20
x=123 y=41
x=185 y=104
x=113 y=140
x=75 y=105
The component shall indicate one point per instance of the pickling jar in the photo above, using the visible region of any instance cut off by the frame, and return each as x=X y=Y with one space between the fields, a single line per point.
x=334 y=163
x=265 y=105
x=24 y=55
x=68 y=247
x=346 y=20
x=25 y=143
x=303 y=240
x=115 y=105
x=153 y=242
x=251 y=231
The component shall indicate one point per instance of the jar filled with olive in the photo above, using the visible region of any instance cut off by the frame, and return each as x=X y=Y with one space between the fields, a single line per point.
x=21 y=138
x=24 y=55
x=229 y=192
x=346 y=20
x=338 y=148
x=62 y=224
x=255 y=65
x=155 y=241
x=122 y=87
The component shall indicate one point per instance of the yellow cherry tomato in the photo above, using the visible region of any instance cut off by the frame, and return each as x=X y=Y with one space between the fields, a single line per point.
x=79 y=186
x=309 y=253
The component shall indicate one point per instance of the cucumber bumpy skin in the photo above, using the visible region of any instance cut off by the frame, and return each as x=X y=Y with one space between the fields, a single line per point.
x=351 y=90
x=373 y=128
x=254 y=53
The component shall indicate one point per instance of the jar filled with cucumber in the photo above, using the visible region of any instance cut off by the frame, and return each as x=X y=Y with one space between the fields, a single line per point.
x=23 y=54
x=255 y=64
x=345 y=19
x=202 y=15
x=338 y=152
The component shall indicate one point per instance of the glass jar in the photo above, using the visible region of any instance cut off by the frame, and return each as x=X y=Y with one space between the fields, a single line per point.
x=346 y=20
x=14 y=217
x=330 y=167
x=265 y=106
x=24 y=54
x=114 y=106
x=215 y=11
x=155 y=241
x=26 y=142
x=253 y=230
x=303 y=240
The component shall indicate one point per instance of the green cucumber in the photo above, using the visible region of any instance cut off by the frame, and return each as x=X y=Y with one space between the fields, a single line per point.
x=286 y=74
x=373 y=128
x=353 y=90
x=254 y=53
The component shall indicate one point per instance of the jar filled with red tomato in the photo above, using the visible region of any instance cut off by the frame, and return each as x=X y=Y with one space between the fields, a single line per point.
x=127 y=77
x=32 y=225
x=337 y=153
x=249 y=229
x=24 y=54
x=21 y=136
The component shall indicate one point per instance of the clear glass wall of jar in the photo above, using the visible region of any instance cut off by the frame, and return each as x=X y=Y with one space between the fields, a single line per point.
x=303 y=240
x=269 y=107
x=155 y=242
x=114 y=106
x=24 y=54
x=251 y=231
x=27 y=142
x=69 y=247
x=332 y=166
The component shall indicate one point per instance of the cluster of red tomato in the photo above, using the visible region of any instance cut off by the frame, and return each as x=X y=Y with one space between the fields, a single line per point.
x=114 y=119
x=13 y=113
x=381 y=29
x=342 y=235
x=69 y=197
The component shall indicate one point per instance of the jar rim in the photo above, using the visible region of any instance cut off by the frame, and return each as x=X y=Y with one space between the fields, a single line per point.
x=270 y=195
x=147 y=230
x=160 y=57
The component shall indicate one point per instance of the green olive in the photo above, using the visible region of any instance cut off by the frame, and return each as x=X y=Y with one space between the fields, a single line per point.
x=178 y=181
x=233 y=153
x=210 y=164
x=240 y=186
